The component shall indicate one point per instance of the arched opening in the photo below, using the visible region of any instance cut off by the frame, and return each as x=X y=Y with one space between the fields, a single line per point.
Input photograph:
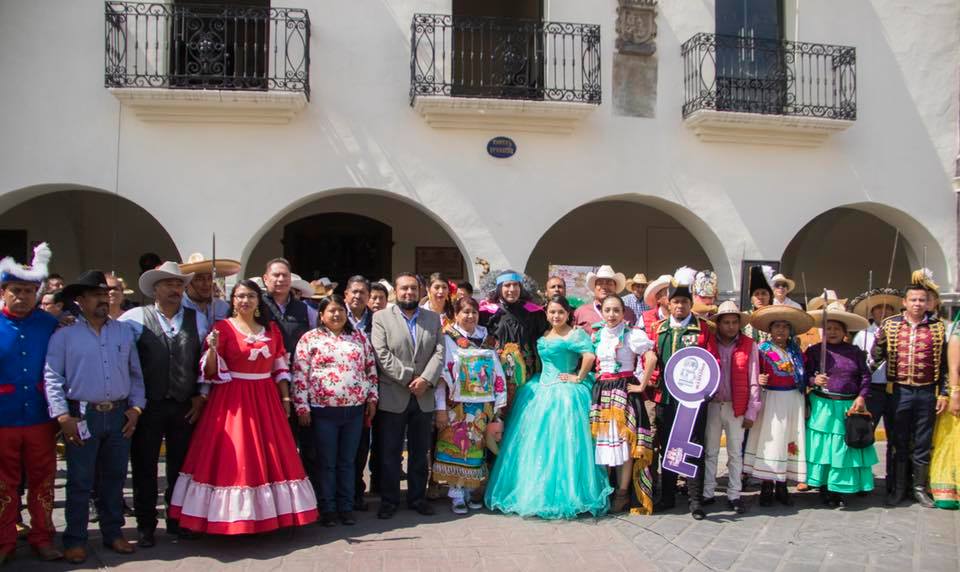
x=839 y=248
x=86 y=229
x=636 y=237
x=358 y=232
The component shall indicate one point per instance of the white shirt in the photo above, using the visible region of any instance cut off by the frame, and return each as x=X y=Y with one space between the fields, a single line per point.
x=788 y=302
x=610 y=356
x=865 y=340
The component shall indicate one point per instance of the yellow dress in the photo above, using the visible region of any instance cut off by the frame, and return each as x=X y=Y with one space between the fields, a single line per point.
x=945 y=466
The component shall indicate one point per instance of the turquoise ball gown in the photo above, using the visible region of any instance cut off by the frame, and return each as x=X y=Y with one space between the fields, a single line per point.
x=546 y=464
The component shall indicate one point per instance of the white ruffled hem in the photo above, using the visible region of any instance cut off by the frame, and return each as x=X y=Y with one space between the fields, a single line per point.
x=232 y=504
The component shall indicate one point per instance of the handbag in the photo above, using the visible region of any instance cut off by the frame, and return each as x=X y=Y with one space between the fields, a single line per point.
x=859 y=430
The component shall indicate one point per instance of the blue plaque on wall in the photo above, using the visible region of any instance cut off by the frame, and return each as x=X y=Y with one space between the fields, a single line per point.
x=501 y=147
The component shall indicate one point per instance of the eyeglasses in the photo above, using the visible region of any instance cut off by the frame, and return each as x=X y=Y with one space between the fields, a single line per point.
x=780 y=285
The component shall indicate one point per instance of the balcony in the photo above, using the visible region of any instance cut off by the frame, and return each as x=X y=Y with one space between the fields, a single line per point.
x=217 y=63
x=503 y=74
x=747 y=90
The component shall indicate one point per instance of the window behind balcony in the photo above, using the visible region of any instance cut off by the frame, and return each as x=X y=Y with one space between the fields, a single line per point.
x=222 y=46
x=750 y=68
x=498 y=49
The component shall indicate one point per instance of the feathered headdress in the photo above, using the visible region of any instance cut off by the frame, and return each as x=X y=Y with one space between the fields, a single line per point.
x=705 y=284
x=683 y=278
x=924 y=277
x=37 y=271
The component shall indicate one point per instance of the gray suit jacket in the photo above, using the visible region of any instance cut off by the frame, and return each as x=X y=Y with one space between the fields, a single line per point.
x=399 y=362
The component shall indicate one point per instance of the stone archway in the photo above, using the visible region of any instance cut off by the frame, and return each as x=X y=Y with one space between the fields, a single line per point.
x=89 y=229
x=358 y=232
x=838 y=248
x=633 y=234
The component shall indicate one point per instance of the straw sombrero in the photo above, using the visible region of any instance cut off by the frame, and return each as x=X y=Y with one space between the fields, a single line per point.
x=799 y=320
x=730 y=307
x=200 y=264
x=837 y=312
x=638 y=278
x=864 y=304
x=818 y=302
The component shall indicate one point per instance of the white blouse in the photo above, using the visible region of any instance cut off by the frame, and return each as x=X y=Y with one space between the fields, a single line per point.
x=614 y=356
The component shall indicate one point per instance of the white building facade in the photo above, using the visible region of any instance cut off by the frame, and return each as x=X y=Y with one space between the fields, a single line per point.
x=360 y=137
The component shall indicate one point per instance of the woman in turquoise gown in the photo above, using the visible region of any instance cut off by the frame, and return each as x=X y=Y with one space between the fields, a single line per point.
x=546 y=463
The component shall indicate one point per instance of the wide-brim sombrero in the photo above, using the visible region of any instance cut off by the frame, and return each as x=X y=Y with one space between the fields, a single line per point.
x=799 y=320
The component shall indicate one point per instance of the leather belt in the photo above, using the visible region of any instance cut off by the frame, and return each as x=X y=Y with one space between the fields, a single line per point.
x=104 y=406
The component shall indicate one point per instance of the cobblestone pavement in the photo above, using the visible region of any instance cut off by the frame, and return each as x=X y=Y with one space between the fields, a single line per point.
x=864 y=536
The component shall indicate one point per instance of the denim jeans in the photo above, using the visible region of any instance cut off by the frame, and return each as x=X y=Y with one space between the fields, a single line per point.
x=104 y=456
x=337 y=436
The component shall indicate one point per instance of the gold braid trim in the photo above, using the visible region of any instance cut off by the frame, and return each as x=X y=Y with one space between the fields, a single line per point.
x=937 y=331
x=892 y=330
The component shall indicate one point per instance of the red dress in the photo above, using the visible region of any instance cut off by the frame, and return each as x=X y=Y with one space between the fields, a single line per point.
x=242 y=473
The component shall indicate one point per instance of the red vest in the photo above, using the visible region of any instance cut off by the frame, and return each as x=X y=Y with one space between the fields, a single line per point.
x=740 y=375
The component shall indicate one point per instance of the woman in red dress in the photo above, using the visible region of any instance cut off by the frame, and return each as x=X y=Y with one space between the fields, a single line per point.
x=242 y=474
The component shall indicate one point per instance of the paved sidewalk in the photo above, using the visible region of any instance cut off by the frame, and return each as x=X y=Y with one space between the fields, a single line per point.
x=864 y=536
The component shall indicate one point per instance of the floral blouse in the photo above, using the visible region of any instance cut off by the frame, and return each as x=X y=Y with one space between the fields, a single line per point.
x=333 y=371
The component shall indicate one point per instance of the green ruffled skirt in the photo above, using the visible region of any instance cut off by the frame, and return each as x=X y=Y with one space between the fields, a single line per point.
x=830 y=462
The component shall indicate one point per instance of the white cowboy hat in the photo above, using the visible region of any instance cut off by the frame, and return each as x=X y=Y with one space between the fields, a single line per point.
x=301 y=285
x=799 y=320
x=168 y=269
x=730 y=307
x=791 y=285
x=199 y=264
x=638 y=278
x=650 y=294
x=837 y=312
x=606 y=271
x=818 y=302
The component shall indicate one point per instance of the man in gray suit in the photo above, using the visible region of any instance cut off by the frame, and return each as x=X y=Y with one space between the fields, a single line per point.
x=409 y=346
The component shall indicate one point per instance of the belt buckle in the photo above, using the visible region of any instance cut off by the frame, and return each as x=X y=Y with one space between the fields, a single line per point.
x=103 y=407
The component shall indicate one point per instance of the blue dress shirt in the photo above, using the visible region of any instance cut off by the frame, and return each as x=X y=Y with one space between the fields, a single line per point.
x=85 y=366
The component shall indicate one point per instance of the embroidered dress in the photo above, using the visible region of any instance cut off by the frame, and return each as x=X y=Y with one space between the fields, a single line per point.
x=613 y=416
x=242 y=474
x=618 y=420
x=473 y=390
x=545 y=467
x=945 y=464
x=830 y=462
x=776 y=446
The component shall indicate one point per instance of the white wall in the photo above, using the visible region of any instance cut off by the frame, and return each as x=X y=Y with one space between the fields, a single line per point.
x=61 y=130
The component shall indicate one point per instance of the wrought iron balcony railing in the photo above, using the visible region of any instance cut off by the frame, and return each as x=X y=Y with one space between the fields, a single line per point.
x=211 y=46
x=771 y=77
x=464 y=56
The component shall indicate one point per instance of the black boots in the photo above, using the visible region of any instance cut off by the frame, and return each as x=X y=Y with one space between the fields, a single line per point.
x=921 y=475
x=900 y=489
x=766 y=493
x=782 y=495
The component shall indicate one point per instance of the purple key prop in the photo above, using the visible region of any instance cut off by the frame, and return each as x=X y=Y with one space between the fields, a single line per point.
x=691 y=375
